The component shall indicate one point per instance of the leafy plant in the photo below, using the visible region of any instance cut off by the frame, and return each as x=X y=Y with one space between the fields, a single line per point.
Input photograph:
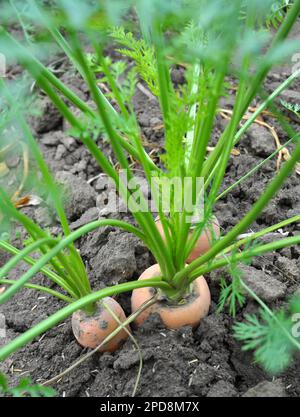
x=277 y=13
x=25 y=388
x=211 y=42
x=294 y=108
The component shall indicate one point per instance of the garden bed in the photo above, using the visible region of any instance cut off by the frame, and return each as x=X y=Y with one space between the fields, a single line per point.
x=205 y=362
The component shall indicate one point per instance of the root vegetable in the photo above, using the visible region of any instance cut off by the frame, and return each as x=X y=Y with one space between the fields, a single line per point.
x=90 y=331
x=188 y=313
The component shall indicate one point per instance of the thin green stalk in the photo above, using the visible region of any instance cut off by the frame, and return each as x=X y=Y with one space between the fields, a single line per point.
x=229 y=139
x=280 y=35
x=198 y=153
x=204 y=132
x=191 y=134
x=34 y=230
x=40 y=288
x=112 y=83
x=26 y=251
x=32 y=65
x=262 y=233
x=30 y=261
x=64 y=45
x=164 y=80
x=29 y=61
x=76 y=282
x=46 y=271
x=61 y=41
x=207 y=223
x=244 y=255
x=82 y=282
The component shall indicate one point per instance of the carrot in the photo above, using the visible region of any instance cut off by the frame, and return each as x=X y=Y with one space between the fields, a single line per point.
x=90 y=331
x=188 y=313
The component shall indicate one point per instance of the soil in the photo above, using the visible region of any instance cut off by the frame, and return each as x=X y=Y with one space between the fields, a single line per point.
x=206 y=361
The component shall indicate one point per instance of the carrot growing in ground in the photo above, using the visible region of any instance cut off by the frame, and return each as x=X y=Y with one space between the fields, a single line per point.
x=182 y=34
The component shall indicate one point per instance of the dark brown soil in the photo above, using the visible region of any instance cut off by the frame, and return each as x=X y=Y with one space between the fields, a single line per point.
x=204 y=362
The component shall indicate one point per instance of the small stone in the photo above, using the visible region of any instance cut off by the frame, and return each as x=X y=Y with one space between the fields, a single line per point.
x=212 y=330
x=60 y=152
x=102 y=183
x=222 y=389
x=52 y=138
x=127 y=360
x=265 y=286
x=261 y=140
x=266 y=389
x=110 y=203
x=81 y=165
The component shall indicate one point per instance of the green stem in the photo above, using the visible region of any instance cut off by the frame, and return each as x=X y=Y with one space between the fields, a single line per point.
x=261 y=233
x=26 y=251
x=245 y=255
x=40 y=288
x=34 y=230
x=46 y=271
x=164 y=80
x=30 y=261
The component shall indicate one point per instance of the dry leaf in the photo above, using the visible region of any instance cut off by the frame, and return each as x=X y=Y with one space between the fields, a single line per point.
x=286 y=156
x=28 y=200
x=235 y=152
